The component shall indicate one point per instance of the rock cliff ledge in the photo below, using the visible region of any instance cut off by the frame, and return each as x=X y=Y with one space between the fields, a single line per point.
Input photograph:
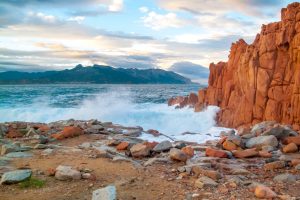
x=260 y=81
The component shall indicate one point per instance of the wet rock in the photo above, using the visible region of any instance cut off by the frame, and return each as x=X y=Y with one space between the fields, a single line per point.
x=286 y=178
x=216 y=153
x=178 y=155
x=290 y=148
x=67 y=173
x=107 y=193
x=205 y=182
x=260 y=141
x=15 y=176
x=163 y=146
x=189 y=151
x=140 y=150
x=274 y=165
x=245 y=153
x=264 y=192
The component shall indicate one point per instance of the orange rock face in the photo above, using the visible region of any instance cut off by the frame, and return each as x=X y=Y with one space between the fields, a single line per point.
x=68 y=132
x=189 y=151
x=122 y=146
x=260 y=81
x=210 y=152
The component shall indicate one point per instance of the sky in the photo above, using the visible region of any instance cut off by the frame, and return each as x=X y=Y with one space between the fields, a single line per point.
x=179 y=35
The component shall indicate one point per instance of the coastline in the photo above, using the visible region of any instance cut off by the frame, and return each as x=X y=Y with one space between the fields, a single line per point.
x=234 y=166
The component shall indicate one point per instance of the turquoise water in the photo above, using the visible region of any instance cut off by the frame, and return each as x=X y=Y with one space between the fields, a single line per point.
x=132 y=105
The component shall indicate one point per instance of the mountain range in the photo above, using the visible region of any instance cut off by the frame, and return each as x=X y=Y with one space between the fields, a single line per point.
x=97 y=74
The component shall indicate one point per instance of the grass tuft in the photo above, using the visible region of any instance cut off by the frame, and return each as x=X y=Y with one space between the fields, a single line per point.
x=32 y=183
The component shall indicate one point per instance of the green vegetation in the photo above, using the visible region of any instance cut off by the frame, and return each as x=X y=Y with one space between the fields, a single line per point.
x=32 y=183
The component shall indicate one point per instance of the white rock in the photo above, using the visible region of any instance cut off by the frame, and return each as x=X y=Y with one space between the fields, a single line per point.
x=67 y=173
x=107 y=193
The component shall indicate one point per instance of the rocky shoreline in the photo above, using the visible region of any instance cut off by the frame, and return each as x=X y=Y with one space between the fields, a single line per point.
x=259 y=162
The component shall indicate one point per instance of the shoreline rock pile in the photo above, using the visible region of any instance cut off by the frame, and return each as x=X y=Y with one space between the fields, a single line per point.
x=238 y=159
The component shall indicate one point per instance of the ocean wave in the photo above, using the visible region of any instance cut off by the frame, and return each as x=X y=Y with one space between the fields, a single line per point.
x=119 y=107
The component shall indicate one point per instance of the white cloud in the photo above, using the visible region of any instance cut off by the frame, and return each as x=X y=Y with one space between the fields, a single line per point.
x=144 y=9
x=116 y=6
x=159 y=21
x=78 y=19
x=43 y=17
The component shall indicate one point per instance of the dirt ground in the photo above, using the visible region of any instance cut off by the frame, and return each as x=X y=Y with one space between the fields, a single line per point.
x=156 y=182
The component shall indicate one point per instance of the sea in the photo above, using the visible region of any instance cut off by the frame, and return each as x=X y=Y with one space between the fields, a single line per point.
x=128 y=105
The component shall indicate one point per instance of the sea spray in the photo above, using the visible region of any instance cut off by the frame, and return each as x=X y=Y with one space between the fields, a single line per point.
x=118 y=106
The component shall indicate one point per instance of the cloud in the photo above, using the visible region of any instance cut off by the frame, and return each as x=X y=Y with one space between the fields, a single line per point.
x=253 y=7
x=161 y=21
x=78 y=19
x=144 y=9
x=116 y=6
x=191 y=70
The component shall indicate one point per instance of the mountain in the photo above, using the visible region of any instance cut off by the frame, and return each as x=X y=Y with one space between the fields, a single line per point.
x=98 y=74
x=260 y=81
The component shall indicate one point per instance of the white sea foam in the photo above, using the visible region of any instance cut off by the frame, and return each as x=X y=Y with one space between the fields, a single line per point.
x=119 y=108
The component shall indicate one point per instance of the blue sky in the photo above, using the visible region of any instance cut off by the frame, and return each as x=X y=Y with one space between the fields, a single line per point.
x=37 y=35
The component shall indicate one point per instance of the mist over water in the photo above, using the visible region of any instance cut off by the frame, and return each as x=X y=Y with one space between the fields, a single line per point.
x=141 y=105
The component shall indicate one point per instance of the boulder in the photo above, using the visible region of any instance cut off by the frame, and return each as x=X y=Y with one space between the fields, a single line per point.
x=122 y=146
x=210 y=152
x=295 y=140
x=19 y=155
x=260 y=141
x=107 y=193
x=188 y=150
x=15 y=176
x=178 y=155
x=64 y=173
x=163 y=146
x=264 y=192
x=140 y=150
x=229 y=146
x=8 y=148
x=199 y=170
x=290 y=148
x=280 y=132
x=205 y=182
x=274 y=165
x=285 y=178
x=245 y=153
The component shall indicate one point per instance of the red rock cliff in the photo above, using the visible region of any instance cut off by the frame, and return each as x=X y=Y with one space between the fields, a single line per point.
x=260 y=81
